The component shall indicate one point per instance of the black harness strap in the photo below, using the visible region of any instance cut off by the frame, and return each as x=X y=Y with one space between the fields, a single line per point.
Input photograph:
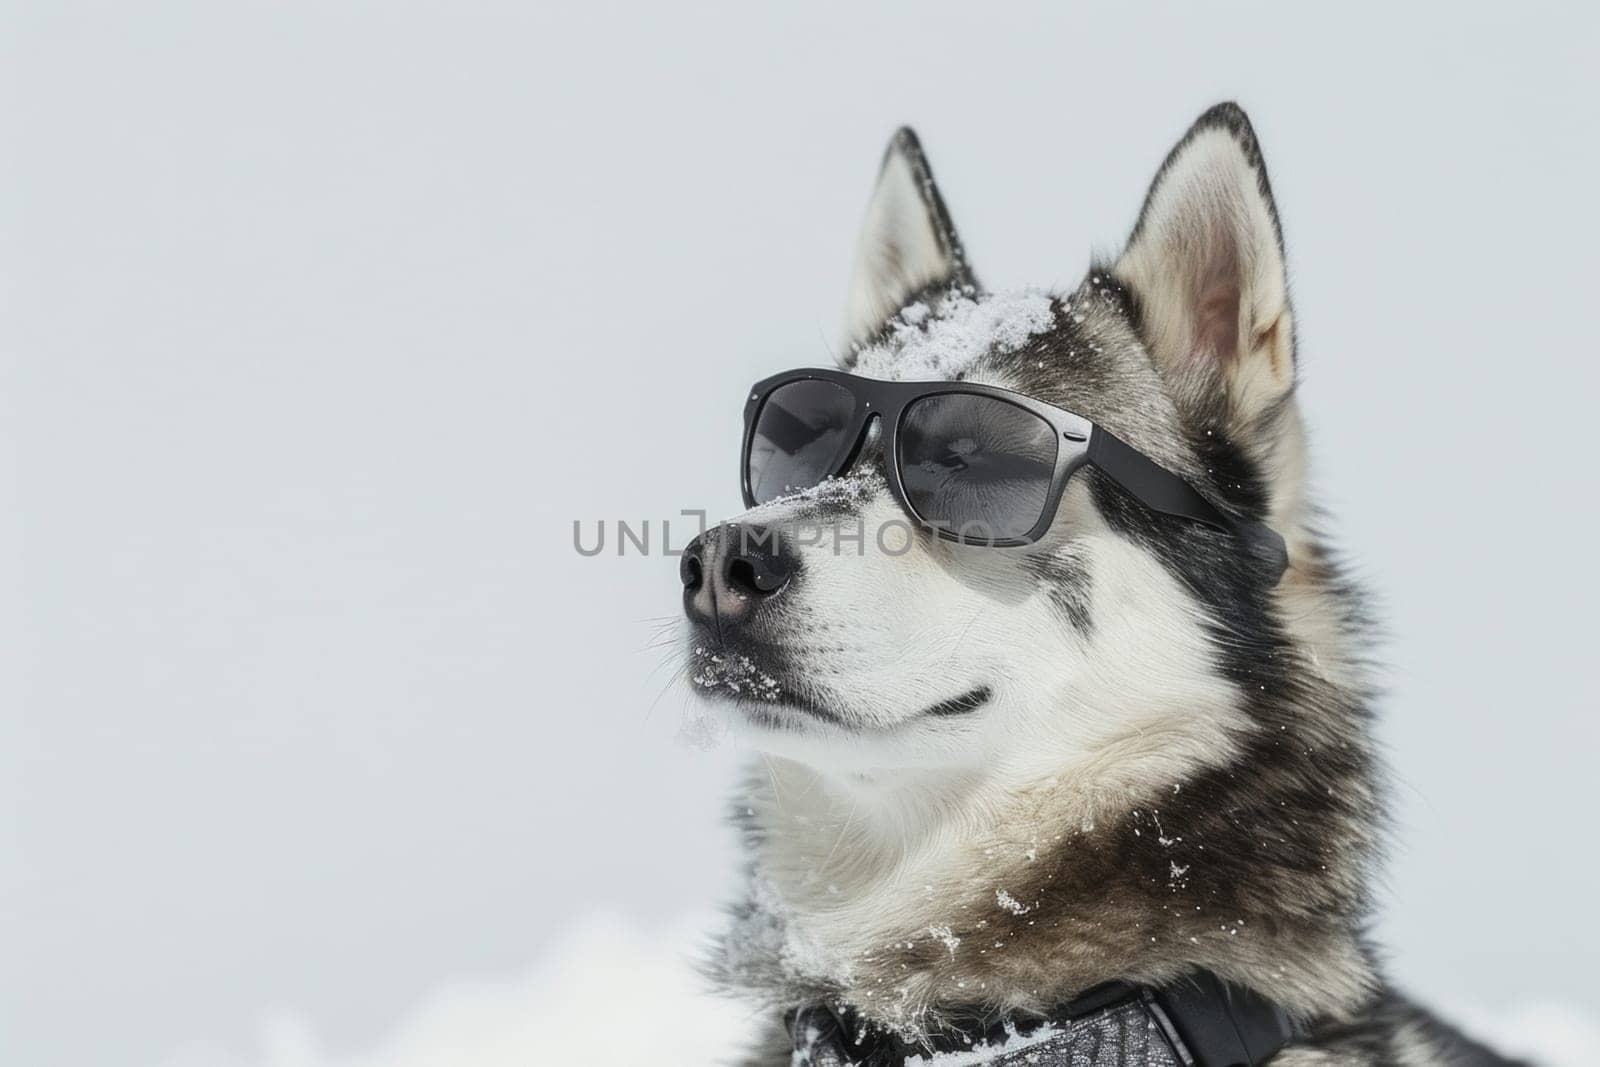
x=1224 y=1025
x=1201 y=1021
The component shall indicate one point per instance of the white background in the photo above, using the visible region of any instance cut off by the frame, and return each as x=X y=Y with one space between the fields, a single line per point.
x=322 y=322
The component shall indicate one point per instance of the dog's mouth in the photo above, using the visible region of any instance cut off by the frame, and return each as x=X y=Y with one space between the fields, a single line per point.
x=758 y=680
x=767 y=689
x=745 y=675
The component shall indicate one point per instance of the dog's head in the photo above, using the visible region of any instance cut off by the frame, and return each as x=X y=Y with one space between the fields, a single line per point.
x=854 y=642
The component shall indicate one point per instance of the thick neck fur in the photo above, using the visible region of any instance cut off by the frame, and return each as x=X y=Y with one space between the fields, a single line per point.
x=1232 y=829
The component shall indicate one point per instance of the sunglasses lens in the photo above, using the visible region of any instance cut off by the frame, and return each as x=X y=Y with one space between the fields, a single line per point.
x=801 y=434
x=977 y=466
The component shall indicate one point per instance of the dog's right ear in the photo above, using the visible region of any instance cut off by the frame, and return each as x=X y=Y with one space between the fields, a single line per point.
x=907 y=243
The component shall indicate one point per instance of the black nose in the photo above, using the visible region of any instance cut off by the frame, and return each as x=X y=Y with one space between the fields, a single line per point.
x=733 y=569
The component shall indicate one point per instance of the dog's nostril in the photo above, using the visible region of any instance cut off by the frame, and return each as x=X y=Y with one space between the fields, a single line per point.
x=690 y=569
x=756 y=577
x=742 y=576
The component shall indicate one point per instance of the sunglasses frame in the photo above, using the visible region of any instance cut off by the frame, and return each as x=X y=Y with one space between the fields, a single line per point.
x=1079 y=441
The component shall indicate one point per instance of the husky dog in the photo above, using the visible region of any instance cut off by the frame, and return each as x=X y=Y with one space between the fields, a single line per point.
x=993 y=778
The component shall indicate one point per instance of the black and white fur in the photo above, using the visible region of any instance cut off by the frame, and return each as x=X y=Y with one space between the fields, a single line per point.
x=993 y=778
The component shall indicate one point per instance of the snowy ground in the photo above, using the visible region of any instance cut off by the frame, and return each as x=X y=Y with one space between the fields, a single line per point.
x=561 y=1012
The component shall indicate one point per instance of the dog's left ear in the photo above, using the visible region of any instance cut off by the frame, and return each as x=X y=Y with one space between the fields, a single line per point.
x=907 y=243
x=1206 y=265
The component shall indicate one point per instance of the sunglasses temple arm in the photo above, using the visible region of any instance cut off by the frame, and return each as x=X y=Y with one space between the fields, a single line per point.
x=1160 y=490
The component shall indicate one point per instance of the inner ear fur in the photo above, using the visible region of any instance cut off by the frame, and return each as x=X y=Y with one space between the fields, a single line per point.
x=1206 y=264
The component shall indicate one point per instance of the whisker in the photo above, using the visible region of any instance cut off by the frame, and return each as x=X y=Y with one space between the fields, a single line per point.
x=667 y=632
x=671 y=681
x=664 y=641
x=669 y=653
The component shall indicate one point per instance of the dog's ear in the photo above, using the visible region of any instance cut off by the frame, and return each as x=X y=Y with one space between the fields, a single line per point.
x=907 y=243
x=1206 y=265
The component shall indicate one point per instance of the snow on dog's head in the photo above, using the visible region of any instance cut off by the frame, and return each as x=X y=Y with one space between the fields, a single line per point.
x=940 y=339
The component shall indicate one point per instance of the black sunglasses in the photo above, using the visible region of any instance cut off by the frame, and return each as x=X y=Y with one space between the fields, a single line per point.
x=973 y=463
